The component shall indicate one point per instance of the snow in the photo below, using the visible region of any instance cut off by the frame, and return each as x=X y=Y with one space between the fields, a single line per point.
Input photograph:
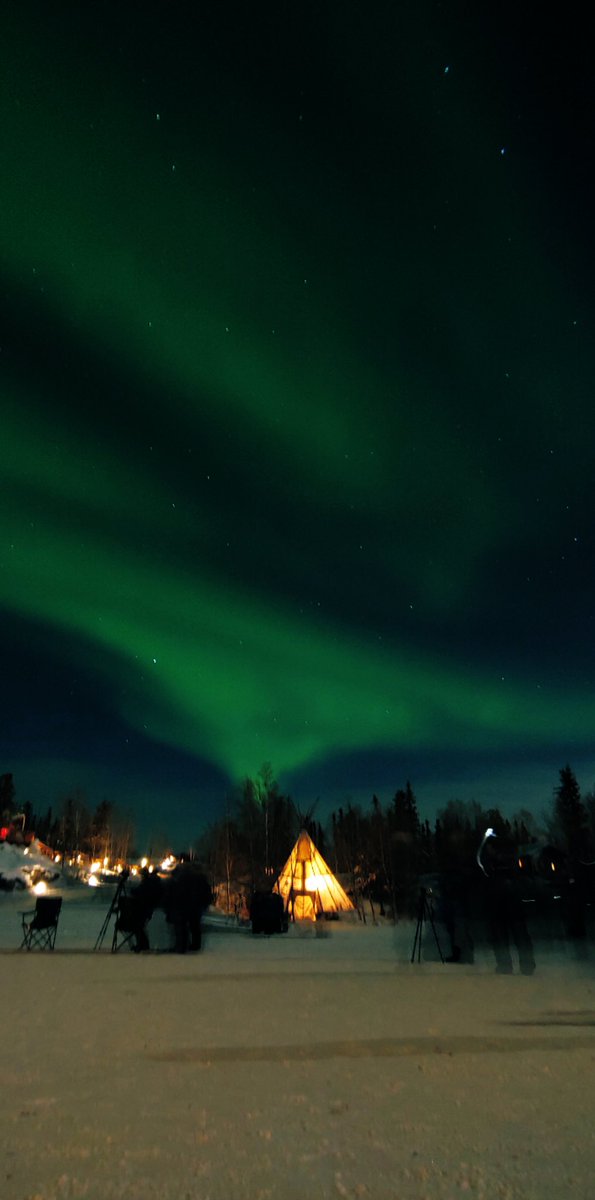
x=316 y=1063
x=25 y=866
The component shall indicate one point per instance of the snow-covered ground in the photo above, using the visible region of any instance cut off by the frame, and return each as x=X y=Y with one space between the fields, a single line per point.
x=293 y=1066
x=23 y=866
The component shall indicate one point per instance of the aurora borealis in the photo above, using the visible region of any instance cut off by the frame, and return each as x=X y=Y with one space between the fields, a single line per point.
x=297 y=411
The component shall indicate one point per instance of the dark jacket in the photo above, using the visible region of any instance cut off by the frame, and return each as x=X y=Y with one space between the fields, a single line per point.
x=189 y=891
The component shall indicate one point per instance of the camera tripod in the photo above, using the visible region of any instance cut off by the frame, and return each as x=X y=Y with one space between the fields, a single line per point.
x=425 y=912
x=113 y=908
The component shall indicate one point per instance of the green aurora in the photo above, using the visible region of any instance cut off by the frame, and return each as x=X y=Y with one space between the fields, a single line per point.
x=296 y=393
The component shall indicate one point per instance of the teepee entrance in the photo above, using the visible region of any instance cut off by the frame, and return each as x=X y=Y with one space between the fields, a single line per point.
x=307 y=884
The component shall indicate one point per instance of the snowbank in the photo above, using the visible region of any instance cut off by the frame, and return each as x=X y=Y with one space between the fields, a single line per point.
x=23 y=867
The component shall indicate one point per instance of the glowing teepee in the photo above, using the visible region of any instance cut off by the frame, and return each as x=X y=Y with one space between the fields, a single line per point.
x=307 y=884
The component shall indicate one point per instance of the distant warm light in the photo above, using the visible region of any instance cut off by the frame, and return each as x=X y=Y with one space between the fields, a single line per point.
x=93 y=881
x=521 y=864
x=95 y=867
x=144 y=862
x=553 y=866
x=40 y=888
x=106 y=861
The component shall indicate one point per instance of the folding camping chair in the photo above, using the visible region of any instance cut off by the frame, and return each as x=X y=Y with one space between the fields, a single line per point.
x=41 y=923
x=130 y=922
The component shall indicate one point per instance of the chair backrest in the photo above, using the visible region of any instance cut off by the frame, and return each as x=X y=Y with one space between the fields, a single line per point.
x=47 y=911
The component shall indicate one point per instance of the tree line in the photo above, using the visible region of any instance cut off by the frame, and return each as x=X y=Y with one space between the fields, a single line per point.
x=380 y=851
x=71 y=827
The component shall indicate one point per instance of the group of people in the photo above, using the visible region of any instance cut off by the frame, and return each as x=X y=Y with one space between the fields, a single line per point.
x=504 y=906
x=183 y=896
x=495 y=891
x=499 y=892
x=186 y=894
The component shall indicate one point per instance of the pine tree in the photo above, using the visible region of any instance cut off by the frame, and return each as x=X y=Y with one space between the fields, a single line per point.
x=570 y=815
x=44 y=825
x=405 y=814
x=405 y=848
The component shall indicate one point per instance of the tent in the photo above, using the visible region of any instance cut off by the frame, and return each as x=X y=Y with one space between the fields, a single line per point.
x=307 y=884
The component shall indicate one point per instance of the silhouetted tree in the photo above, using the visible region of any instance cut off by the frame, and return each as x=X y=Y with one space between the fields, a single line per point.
x=381 y=859
x=74 y=824
x=427 y=847
x=261 y=817
x=459 y=829
x=570 y=823
x=352 y=846
x=404 y=828
x=589 y=803
x=101 y=830
x=121 y=833
x=405 y=817
x=524 y=827
x=44 y=826
x=7 y=795
x=218 y=849
x=501 y=825
x=249 y=846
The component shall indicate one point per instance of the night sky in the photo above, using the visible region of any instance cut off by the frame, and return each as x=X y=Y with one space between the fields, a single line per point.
x=296 y=351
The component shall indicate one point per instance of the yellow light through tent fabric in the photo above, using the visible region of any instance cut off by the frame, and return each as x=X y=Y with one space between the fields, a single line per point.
x=307 y=883
x=303 y=908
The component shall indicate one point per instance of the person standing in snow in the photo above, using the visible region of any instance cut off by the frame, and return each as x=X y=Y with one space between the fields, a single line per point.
x=148 y=897
x=498 y=859
x=454 y=896
x=189 y=895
